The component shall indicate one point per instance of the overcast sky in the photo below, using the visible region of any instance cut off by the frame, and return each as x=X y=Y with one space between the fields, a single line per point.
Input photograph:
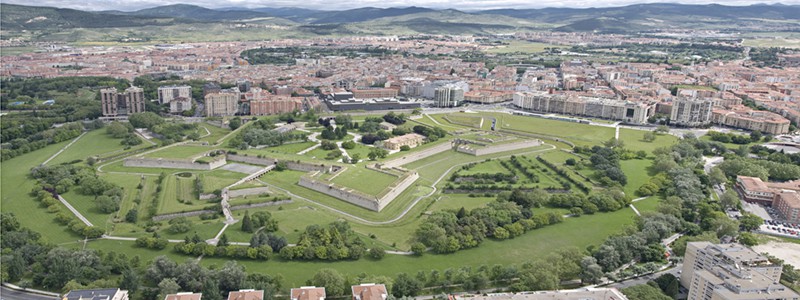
x=128 y=5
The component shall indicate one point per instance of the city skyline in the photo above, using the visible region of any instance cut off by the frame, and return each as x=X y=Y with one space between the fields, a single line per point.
x=468 y=5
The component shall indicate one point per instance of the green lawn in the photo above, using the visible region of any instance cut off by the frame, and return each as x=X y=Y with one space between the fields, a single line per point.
x=14 y=192
x=365 y=180
x=171 y=191
x=462 y=119
x=179 y=152
x=219 y=178
x=457 y=201
x=632 y=139
x=636 y=171
x=649 y=204
x=95 y=142
x=216 y=132
x=580 y=134
x=291 y=148
x=730 y=146
x=491 y=167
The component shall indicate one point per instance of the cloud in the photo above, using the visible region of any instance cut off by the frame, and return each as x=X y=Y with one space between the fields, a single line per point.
x=127 y=5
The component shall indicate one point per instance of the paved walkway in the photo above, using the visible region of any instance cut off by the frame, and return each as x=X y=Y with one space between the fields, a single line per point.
x=65 y=148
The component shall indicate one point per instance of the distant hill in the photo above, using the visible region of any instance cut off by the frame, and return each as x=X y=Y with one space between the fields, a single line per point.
x=365 y=14
x=194 y=12
x=34 y=17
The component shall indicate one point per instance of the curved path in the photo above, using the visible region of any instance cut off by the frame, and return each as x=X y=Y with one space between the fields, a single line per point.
x=409 y=208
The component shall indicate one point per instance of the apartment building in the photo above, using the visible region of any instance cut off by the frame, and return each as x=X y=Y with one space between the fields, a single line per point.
x=115 y=104
x=731 y=272
x=691 y=112
x=224 y=103
x=448 y=96
x=626 y=111
x=167 y=93
x=369 y=291
x=749 y=119
x=179 y=105
x=754 y=190
x=787 y=203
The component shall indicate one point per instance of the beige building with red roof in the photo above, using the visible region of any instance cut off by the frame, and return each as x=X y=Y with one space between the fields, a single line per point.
x=184 y=296
x=412 y=140
x=246 y=295
x=308 y=293
x=369 y=291
x=752 y=189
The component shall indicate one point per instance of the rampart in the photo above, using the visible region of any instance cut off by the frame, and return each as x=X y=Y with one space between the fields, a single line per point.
x=183 y=214
x=248 y=192
x=415 y=156
x=538 y=136
x=262 y=204
x=291 y=165
x=342 y=193
x=173 y=163
x=498 y=148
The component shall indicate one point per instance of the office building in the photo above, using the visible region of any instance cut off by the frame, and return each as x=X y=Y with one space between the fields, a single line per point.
x=691 y=112
x=448 y=96
x=731 y=272
x=116 y=104
x=167 y=93
x=787 y=203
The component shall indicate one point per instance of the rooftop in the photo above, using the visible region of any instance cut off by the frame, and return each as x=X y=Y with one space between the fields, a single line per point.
x=308 y=293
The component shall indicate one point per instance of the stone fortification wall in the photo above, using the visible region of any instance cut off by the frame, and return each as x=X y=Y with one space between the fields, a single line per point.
x=342 y=193
x=415 y=156
x=498 y=148
x=187 y=214
x=248 y=192
x=538 y=136
x=292 y=165
x=262 y=204
x=398 y=188
x=172 y=164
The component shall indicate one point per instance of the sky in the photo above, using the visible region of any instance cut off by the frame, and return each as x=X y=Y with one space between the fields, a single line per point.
x=129 y=5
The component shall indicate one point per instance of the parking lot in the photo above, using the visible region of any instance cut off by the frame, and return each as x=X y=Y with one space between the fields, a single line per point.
x=778 y=228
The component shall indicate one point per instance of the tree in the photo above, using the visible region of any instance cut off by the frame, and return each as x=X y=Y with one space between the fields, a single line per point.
x=231 y=276
x=750 y=222
x=376 y=252
x=235 y=123
x=129 y=280
x=649 y=137
x=247 y=224
x=223 y=241
x=106 y=204
x=591 y=272
x=644 y=292
x=355 y=158
x=418 y=248
x=748 y=239
x=147 y=120
x=132 y=216
x=405 y=286
x=117 y=130
x=333 y=282
x=168 y=286
x=729 y=199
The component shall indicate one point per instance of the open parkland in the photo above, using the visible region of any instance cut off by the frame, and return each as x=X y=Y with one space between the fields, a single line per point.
x=390 y=228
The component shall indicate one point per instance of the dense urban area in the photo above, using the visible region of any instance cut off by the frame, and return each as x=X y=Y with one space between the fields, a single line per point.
x=399 y=154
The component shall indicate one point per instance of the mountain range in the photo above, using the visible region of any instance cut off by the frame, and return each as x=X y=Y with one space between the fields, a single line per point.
x=640 y=17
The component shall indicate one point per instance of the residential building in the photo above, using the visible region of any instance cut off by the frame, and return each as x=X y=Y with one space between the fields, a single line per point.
x=731 y=272
x=787 y=203
x=412 y=140
x=262 y=102
x=590 y=294
x=222 y=104
x=369 y=291
x=247 y=295
x=626 y=111
x=184 y=296
x=752 y=189
x=366 y=93
x=448 y=96
x=179 y=105
x=98 y=294
x=308 y=293
x=167 y=93
x=691 y=112
x=115 y=104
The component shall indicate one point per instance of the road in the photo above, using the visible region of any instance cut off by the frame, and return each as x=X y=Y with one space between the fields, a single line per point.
x=644 y=279
x=9 y=294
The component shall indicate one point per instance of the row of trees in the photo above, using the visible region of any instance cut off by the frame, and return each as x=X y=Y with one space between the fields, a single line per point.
x=448 y=231
x=25 y=142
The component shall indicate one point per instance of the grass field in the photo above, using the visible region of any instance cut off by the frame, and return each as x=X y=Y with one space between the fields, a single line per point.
x=649 y=204
x=172 y=190
x=580 y=134
x=218 y=179
x=636 y=171
x=178 y=152
x=95 y=142
x=216 y=132
x=457 y=201
x=14 y=188
x=633 y=139
x=364 y=180
x=291 y=148
x=522 y=46
x=463 y=120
